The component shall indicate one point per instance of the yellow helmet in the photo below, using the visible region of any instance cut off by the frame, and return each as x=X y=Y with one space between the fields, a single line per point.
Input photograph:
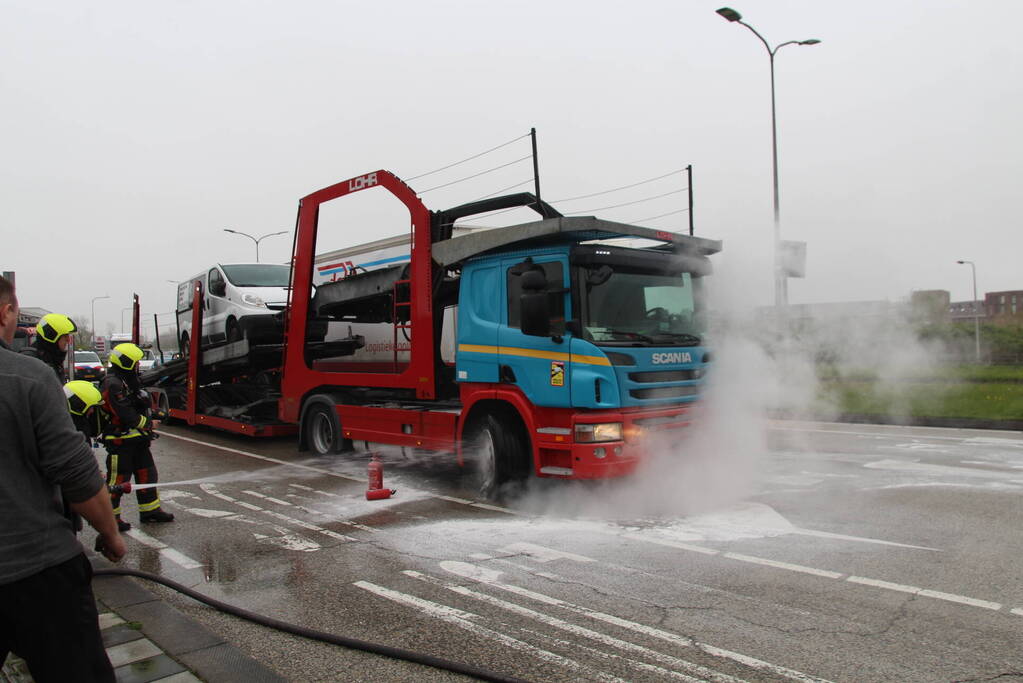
x=126 y=356
x=53 y=326
x=81 y=396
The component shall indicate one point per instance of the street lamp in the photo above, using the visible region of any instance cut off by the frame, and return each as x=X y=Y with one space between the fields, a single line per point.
x=92 y=323
x=976 y=311
x=257 y=241
x=781 y=294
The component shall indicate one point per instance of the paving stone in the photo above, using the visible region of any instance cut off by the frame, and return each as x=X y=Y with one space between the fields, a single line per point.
x=126 y=653
x=183 y=677
x=150 y=669
x=108 y=619
x=122 y=633
x=170 y=629
x=117 y=591
x=226 y=664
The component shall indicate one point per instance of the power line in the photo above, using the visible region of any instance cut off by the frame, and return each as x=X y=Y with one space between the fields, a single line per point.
x=475 y=156
x=476 y=175
x=623 y=187
x=638 y=201
x=650 y=218
x=504 y=189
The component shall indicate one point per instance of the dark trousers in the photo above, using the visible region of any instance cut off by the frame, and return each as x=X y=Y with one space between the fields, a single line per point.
x=49 y=619
x=132 y=458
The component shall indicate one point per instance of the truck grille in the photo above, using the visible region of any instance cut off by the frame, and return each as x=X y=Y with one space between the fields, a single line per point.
x=664 y=392
x=665 y=376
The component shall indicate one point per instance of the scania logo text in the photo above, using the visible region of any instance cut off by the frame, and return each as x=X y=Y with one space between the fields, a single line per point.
x=676 y=357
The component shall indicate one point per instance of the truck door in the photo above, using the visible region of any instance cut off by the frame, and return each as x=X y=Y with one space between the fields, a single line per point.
x=537 y=365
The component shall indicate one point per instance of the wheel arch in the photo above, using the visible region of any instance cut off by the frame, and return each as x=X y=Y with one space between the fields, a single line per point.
x=311 y=400
x=510 y=407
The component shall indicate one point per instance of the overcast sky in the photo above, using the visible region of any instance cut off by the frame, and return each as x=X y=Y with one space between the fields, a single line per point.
x=134 y=132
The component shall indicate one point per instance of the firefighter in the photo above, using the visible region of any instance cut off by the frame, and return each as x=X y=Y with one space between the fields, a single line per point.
x=127 y=433
x=83 y=402
x=53 y=335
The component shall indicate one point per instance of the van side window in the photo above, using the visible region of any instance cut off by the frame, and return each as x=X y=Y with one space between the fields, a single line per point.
x=555 y=281
x=216 y=282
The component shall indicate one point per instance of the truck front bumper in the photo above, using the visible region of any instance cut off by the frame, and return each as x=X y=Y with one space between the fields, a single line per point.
x=645 y=433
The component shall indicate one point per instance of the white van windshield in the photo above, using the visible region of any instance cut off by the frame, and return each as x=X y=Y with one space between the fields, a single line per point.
x=258 y=275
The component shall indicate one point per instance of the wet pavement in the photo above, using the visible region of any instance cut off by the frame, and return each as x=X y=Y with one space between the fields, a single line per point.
x=812 y=552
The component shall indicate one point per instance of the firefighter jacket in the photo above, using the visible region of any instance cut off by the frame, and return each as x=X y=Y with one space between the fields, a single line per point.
x=49 y=353
x=126 y=405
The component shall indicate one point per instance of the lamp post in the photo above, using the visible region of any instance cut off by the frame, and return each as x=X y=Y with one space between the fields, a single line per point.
x=92 y=323
x=976 y=312
x=781 y=294
x=257 y=241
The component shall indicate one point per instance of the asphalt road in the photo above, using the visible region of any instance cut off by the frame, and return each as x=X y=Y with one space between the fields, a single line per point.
x=820 y=552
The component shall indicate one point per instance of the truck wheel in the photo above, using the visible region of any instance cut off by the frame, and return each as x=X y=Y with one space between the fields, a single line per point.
x=499 y=455
x=322 y=430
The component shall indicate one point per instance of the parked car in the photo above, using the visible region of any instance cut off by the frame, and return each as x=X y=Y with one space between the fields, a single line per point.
x=88 y=366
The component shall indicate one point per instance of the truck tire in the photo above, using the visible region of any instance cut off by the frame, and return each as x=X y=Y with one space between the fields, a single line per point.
x=499 y=454
x=322 y=430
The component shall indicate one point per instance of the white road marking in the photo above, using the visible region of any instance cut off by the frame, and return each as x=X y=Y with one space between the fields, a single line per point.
x=213 y=491
x=542 y=554
x=600 y=654
x=783 y=565
x=634 y=536
x=861 y=539
x=166 y=551
x=465 y=620
x=914 y=590
x=490 y=578
x=256 y=494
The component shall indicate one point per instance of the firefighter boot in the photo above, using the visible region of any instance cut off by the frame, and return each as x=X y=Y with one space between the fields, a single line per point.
x=122 y=525
x=156 y=515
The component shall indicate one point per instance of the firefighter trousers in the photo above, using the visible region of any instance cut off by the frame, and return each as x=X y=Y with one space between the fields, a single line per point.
x=132 y=458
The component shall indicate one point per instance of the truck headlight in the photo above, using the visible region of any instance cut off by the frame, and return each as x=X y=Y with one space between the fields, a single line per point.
x=253 y=300
x=601 y=431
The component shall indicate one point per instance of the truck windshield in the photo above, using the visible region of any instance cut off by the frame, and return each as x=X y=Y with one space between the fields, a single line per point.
x=654 y=309
x=258 y=275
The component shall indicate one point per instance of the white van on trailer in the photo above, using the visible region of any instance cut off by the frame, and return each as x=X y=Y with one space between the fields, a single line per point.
x=240 y=301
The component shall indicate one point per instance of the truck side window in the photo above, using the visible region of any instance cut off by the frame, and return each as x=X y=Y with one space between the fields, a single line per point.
x=555 y=281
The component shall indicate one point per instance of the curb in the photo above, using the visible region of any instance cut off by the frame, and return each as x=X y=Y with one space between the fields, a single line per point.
x=153 y=641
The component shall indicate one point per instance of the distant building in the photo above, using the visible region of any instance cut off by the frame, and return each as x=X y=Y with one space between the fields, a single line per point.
x=28 y=317
x=1004 y=307
x=966 y=311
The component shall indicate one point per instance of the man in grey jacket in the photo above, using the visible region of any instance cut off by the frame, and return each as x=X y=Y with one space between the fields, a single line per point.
x=47 y=610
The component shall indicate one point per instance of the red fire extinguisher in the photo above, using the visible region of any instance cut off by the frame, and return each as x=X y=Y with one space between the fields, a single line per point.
x=375 y=474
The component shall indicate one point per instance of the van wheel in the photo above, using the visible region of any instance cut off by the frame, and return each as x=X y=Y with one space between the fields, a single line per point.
x=322 y=431
x=499 y=455
x=234 y=332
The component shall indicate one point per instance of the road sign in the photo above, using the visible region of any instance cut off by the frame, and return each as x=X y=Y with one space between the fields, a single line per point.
x=99 y=345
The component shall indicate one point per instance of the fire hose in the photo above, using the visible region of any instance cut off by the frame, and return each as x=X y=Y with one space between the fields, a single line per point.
x=332 y=638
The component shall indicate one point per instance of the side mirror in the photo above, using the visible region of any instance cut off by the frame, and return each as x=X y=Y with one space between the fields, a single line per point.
x=218 y=289
x=535 y=307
